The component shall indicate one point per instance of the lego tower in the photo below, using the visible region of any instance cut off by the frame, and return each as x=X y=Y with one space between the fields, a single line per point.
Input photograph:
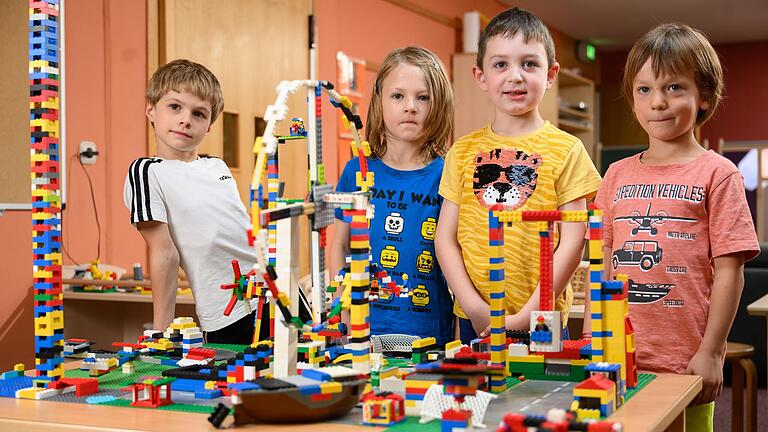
x=46 y=193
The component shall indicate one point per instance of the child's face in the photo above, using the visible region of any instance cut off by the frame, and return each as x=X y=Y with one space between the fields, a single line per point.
x=665 y=106
x=405 y=104
x=181 y=122
x=515 y=74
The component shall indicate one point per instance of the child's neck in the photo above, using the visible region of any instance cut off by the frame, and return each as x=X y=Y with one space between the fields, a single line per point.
x=516 y=125
x=402 y=155
x=169 y=153
x=682 y=149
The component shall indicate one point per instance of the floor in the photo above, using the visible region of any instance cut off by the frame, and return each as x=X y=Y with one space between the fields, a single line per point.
x=723 y=411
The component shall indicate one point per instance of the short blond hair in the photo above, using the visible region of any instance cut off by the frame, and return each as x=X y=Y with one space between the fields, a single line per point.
x=438 y=125
x=511 y=22
x=675 y=49
x=184 y=75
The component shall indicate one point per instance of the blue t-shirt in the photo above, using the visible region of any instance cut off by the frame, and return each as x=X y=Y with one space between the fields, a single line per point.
x=402 y=235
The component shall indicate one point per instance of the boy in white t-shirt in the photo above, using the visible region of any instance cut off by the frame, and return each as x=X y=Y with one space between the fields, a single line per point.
x=187 y=207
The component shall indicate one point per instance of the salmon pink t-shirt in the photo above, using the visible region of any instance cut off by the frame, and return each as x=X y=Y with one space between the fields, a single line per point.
x=664 y=225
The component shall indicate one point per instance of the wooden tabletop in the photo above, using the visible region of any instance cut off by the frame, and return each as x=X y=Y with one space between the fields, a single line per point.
x=121 y=297
x=655 y=408
x=759 y=306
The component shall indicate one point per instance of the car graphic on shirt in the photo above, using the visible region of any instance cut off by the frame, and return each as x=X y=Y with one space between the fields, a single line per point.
x=642 y=253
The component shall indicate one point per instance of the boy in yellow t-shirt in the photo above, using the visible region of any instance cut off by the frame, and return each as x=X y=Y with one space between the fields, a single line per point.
x=521 y=162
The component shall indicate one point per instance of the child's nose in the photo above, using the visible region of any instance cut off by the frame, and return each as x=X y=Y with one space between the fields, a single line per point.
x=514 y=75
x=658 y=101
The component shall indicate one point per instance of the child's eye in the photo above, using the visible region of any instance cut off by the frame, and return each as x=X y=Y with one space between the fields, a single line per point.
x=528 y=64
x=643 y=90
x=675 y=87
x=174 y=106
x=500 y=65
x=397 y=96
x=424 y=98
x=199 y=114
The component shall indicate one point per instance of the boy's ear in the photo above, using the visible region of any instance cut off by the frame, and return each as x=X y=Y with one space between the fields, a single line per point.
x=150 y=112
x=479 y=77
x=552 y=74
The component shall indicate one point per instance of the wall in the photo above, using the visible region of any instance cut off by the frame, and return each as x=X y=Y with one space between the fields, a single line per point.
x=370 y=29
x=105 y=79
x=740 y=117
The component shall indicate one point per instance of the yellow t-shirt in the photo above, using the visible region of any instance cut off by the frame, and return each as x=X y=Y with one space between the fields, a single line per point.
x=539 y=171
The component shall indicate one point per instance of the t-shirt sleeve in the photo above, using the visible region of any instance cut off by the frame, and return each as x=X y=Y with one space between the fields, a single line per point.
x=347 y=182
x=730 y=222
x=450 y=182
x=603 y=199
x=578 y=178
x=142 y=193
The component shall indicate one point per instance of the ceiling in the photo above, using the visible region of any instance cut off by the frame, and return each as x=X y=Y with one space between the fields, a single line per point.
x=616 y=24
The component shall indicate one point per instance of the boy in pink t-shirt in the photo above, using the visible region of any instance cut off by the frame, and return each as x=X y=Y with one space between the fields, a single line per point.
x=676 y=217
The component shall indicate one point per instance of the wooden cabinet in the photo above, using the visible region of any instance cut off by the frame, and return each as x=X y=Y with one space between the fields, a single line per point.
x=570 y=104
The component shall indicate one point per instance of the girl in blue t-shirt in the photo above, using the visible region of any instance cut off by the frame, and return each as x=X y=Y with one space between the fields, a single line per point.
x=409 y=124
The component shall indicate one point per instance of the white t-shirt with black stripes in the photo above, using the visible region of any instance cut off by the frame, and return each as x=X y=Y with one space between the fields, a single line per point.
x=208 y=223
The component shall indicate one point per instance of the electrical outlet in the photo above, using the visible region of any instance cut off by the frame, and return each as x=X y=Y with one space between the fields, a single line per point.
x=88 y=153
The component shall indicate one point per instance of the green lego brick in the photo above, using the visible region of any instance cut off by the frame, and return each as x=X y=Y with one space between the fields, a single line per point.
x=116 y=379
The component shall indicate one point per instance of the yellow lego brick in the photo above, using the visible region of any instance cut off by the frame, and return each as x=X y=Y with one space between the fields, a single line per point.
x=496 y=252
x=526 y=359
x=419 y=384
x=542 y=226
x=330 y=387
x=386 y=373
x=510 y=216
x=359 y=244
x=366 y=148
x=27 y=393
x=585 y=414
x=361 y=359
x=43 y=274
x=39 y=157
x=453 y=345
x=18 y=367
x=345 y=123
x=594 y=393
x=346 y=102
x=343 y=358
x=424 y=342
x=410 y=403
x=574 y=215
x=580 y=362
x=231 y=379
x=595 y=250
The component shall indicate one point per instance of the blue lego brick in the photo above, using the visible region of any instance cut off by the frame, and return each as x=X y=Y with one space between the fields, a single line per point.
x=168 y=362
x=48 y=341
x=497 y=312
x=602 y=367
x=42 y=310
x=358 y=295
x=42 y=285
x=187 y=385
x=207 y=393
x=8 y=387
x=42 y=55
x=44 y=22
x=413 y=396
x=498 y=330
x=310 y=389
x=586 y=350
x=451 y=425
x=542 y=336
x=316 y=375
x=42 y=263
x=50 y=364
x=601 y=334
x=496 y=275
x=496 y=295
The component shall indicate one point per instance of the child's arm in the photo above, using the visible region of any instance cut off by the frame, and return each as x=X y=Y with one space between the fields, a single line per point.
x=564 y=262
x=723 y=304
x=164 y=263
x=448 y=253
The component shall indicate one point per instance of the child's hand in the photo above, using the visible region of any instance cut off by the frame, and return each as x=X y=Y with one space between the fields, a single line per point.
x=480 y=315
x=709 y=366
x=511 y=322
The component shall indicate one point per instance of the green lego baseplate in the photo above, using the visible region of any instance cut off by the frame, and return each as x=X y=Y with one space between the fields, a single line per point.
x=117 y=380
x=200 y=409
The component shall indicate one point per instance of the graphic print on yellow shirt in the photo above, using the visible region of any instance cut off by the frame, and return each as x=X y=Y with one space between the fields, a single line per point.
x=505 y=176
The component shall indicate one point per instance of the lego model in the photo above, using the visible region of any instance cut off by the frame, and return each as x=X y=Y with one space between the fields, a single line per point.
x=383 y=409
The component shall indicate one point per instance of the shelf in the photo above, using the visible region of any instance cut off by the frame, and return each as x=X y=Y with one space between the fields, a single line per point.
x=570 y=126
x=121 y=297
x=574 y=113
x=568 y=79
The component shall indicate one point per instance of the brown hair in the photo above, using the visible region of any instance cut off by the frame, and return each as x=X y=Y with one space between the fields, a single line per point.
x=676 y=49
x=508 y=24
x=438 y=124
x=180 y=75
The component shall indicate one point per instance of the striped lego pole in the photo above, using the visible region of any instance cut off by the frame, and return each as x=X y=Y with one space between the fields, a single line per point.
x=546 y=296
x=360 y=329
x=498 y=344
x=46 y=194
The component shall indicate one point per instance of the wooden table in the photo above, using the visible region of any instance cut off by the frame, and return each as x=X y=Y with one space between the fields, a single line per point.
x=657 y=407
x=760 y=307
